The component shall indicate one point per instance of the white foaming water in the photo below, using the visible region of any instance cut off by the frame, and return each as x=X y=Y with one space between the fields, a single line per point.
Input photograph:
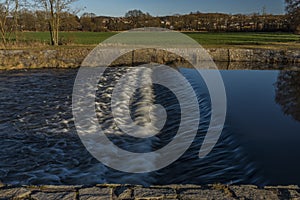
x=129 y=114
x=135 y=88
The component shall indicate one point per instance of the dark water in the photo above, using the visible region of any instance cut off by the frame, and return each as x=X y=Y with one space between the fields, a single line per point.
x=259 y=144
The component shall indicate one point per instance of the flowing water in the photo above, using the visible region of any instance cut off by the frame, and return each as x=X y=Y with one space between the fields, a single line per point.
x=259 y=144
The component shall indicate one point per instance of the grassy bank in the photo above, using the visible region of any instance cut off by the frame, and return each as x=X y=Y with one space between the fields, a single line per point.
x=246 y=40
x=77 y=38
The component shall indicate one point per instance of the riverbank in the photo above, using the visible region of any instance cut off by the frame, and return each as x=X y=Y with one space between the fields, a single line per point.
x=226 y=58
x=193 y=192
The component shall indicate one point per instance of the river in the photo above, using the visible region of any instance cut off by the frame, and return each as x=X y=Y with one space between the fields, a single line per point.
x=259 y=143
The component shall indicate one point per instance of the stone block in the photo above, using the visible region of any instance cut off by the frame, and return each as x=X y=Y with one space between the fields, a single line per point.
x=14 y=193
x=203 y=194
x=54 y=195
x=220 y=55
x=154 y=193
x=252 y=192
x=95 y=193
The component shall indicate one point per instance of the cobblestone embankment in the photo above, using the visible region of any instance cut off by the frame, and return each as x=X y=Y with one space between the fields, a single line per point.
x=192 y=192
x=73 y=57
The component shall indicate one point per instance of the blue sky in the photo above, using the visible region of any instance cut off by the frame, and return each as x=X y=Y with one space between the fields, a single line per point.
x=170 y=7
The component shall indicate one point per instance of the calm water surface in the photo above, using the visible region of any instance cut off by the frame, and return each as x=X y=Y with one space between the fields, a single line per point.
x=259 y=144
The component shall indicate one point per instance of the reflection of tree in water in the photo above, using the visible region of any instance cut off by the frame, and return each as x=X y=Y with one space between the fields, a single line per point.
x=288 y=93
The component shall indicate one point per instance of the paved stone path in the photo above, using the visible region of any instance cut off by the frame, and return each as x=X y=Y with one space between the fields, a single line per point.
x=183 y=192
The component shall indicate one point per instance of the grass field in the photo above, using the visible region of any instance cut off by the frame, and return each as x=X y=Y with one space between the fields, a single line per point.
x=243 y=38
x=205 y=39
x=83 y=38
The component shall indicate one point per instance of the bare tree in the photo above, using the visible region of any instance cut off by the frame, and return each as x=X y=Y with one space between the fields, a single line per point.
x=293 y=9
x=134 y=13
x=8 y=19
x=54 y=9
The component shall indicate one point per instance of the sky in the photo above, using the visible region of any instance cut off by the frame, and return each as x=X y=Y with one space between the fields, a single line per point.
x=171 y=7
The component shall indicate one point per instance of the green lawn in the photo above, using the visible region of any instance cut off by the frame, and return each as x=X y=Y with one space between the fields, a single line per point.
x=205 y=39
x=82 y=38
x=243 y=38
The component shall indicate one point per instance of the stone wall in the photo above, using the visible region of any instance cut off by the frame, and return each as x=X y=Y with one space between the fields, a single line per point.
x=24 y=59
x=128 y=192
x=256 y=55
x=225 y=58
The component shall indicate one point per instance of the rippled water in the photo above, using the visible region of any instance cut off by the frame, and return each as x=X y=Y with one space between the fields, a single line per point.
x=259 y=144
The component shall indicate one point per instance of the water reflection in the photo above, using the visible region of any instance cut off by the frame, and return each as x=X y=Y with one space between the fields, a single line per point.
x=288 y=93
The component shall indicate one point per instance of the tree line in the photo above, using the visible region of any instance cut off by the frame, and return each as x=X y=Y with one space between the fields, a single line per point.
x=56 y=15
x=37 y=21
